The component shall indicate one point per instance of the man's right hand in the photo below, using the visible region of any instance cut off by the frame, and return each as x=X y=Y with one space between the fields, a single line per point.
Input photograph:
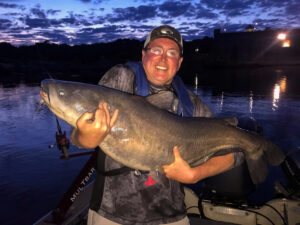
x=92 y=128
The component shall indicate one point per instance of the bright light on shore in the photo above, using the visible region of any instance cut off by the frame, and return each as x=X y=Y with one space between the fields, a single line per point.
x=286 y=44
x=281 y=36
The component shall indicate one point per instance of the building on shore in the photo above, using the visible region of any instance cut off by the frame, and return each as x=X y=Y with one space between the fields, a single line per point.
x=256 y=47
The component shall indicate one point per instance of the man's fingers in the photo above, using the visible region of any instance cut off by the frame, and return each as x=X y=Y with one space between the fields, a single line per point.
x=114 y=118
x=86 y=116
x=110 y=120
x=176 y=152
x=105 y=108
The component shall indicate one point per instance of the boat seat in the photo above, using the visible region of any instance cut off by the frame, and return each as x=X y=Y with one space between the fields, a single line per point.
x=232 y=185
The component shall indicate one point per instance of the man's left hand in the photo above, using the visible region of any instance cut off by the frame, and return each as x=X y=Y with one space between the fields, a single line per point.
x=179 y=170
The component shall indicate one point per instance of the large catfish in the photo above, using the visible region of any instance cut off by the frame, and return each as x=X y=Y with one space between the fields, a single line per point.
x=144 y=135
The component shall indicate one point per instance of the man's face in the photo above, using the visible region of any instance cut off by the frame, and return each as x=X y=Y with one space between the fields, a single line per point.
x=160 y=69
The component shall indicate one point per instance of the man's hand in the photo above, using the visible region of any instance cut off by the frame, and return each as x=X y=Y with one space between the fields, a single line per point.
x=92 y=128
x=179 y=170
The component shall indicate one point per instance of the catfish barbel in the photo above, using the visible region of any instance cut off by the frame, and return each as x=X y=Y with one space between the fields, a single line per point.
x=144 y=135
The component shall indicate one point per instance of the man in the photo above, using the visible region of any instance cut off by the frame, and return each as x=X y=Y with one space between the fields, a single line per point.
x=126 y=196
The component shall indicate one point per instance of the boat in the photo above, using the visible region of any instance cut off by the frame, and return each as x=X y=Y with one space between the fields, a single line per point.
x=219 y=200
x=201 y=210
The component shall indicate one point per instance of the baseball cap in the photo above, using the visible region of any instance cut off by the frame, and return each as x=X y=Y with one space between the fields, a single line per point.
x=165 y=31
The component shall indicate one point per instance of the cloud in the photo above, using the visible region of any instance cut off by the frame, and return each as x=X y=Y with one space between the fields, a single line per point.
x=38 y=13
x=52 y=12
x=194 y=19
x=5 y=5
x=93 y=1
x=140 y=13
x=5 y=24
x=293 y=8
x=175 y=8
x=201 y=12
x=37 y=22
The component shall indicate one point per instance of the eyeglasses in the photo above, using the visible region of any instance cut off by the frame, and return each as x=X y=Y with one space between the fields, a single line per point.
x=172 y=53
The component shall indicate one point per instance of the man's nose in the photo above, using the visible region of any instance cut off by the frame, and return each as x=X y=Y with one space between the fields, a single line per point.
x=164 y=56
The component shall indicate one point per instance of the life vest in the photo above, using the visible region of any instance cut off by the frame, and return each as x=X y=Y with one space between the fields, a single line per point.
x=185 y=107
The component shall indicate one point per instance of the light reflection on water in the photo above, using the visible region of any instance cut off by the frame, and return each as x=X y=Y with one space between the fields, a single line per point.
x=33 y=176
x=279 y=88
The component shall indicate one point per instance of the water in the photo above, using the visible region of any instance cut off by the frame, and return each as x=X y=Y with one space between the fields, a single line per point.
x=33 y=178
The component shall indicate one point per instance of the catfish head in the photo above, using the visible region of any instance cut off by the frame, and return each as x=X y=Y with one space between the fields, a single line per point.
x=67 y=100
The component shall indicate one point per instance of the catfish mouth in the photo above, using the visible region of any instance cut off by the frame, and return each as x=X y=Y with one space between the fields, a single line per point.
x=44 y=93
x=45 y=97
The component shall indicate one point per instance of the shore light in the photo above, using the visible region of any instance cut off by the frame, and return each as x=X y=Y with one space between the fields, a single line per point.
x=286 y=44
x=281 y=36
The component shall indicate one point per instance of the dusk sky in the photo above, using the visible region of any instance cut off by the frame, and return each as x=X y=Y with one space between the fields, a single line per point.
x=25 y=22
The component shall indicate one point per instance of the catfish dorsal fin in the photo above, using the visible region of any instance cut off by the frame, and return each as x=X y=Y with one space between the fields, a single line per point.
x=231 y=121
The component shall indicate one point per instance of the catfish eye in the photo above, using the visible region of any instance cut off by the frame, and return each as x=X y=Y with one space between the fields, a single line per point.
x=61 y=93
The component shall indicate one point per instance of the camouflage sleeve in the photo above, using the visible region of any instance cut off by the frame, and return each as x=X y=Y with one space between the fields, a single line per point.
x=238 y=158
x=119 y=77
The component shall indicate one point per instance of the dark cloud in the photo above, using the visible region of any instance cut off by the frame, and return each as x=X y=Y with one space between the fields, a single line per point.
x=55 y=36
x=213 y=4
x=38 y=13
x=175 y=9
x=5 y=24
x=270 y=3
x=5 y=5
x=37 y=22
x=103 y=34
x=201 y=12
x=237 y=5
x=140 y=13
x=293 y=8
x=52 y=12
x=229 y=8
x=93 y=1
x=38 y=19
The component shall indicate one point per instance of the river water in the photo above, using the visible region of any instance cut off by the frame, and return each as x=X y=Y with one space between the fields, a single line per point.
x=33 y=178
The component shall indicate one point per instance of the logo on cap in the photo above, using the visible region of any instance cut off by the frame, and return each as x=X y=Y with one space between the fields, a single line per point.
x=166 y=31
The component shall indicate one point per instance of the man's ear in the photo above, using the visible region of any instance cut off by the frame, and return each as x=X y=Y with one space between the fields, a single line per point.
x=179 y=63
x=143 y=54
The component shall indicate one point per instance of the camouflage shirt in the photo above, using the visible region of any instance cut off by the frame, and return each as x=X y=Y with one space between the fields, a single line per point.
x=134 y=198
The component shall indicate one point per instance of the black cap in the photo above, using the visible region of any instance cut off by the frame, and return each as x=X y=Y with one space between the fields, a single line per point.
x=165 y=31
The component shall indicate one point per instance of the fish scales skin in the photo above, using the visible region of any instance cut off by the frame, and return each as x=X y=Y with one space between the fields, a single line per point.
x=143 y=136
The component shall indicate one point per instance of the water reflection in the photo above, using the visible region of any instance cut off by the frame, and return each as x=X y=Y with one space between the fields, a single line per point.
x=196 y=83
x=221 y=102
x=250 y=101
x=279 y=87
x=276 y=96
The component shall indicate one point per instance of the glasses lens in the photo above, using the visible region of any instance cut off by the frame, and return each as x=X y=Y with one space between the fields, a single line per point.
x=156 y=50
x=159 y=51
x=172 y=53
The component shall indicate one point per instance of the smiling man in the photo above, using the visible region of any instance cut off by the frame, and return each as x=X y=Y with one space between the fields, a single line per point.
x=125 y=196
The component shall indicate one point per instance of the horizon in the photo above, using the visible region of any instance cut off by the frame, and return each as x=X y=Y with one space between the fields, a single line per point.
x=76 y=22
